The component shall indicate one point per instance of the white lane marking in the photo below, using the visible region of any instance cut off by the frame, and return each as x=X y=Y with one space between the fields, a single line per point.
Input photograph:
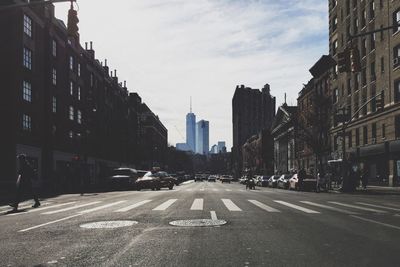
x=44 y=208
x=230 y=205
x=201 y=189
x=263 y=206
x=228 y=190
x=295 y=207
x=138 y=204
x=71 y=208
x=197 y=204
x=166 y=204
x=215 y=189
x=102 y=207
x=357 y=207
x=44 y=224
x=213 y=215
x=242 y=190
x=376 y=222
x=328 y=207
x=377 y=206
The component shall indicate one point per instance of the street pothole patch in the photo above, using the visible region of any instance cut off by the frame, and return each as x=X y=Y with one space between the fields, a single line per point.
x=198 y=223
x=108 y=224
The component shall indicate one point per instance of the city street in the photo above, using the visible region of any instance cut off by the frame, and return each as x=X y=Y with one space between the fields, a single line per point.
x=264 y=227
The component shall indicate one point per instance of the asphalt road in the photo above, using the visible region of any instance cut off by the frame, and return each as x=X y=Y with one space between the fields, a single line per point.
x=264 y=227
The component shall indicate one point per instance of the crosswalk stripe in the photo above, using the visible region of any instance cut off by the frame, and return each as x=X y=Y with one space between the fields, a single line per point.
x=230 y=205
x=166 y=204
x=328 y=207
x=43 y=208
x=295 y=207
x=197 y=204
x=228 y=190
x=263 y=206
x=201 y=189
x=71 y=208
x=357 y=207
x=377 y=206
x=189 y=190
x=215 y=189
x=138 y=204
x=102 y=207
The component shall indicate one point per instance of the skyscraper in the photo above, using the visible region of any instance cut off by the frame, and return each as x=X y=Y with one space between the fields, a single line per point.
x=191 y=129
x=221 y=147
x=202 y=142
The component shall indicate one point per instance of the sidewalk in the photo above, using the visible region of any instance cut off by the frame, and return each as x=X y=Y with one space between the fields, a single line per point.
x=374 y=190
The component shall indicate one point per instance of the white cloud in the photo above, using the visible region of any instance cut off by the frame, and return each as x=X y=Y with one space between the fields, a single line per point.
x=171 y=50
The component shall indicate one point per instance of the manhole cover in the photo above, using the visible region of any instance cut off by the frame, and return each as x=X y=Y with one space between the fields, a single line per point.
x=198 y=223
x=108 y=224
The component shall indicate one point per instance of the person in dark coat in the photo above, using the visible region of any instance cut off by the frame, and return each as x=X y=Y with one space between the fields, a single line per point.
x=24 y=183
x=301 y=176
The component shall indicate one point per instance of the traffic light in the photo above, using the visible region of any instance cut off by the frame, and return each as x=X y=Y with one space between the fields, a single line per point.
x=344 y=61
x=355 y=59
x=73 y=22
x=380 y=102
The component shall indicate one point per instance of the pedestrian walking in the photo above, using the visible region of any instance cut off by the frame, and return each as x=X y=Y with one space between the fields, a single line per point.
x=24 y=183
x=364 y=178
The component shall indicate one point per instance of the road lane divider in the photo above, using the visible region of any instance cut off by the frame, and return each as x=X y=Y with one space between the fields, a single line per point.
x=133 y=206
x=357 y=207
x=376 y=222
x=293 y=206
x=377 y=206
x=71 y=208
x=48 y=223
x=328 y=207
x=165 y=205
x=263 y=206
x=197 y=204
x=230 y=205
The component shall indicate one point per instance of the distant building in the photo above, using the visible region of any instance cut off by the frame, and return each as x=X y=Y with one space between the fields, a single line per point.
x=182 y=147
x=252 y=111
x=202 y=142
x=214 y=149
x=191 y=130
x=221 y=147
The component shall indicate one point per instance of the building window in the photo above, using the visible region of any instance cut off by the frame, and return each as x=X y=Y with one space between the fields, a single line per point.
x=372 y=70
x=54 y=76
x=397 y=91
x=383 y=131
x=355 y=25
x=334 y=23
x=357 y=136
x=349 y=86
x=382 y=64
x=79 y=117
x=54 y=45
x=71 y=134
x=356 y=81
x=71 y=63
x=364 y=77
x=71 y=88
x=27 y=91
x=347 y=7
x=373 y=131
x=79 y=93
x=371 y=10
x=363 y=18
x=27 y=58
x=396 y=20
x=54 y=104
x=365 y=135
x=363 y=47
x=396 y=56
x=26 y=122
x=334 y=47
x=397 y=127
x=334 y=3
x=335 y=95
x=27 y=25
x=372 y=41
x=71 y=113
x=350 y=139
x=79 y=69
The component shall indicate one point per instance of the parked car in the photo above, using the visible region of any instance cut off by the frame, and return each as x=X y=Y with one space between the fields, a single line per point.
x=155 y=181
x=283 y=181
x=198 y=178
x=225 y=179
x=242 y=180
x=122 y=178
x=212 y=178
x=273 y=181
x=263 y=181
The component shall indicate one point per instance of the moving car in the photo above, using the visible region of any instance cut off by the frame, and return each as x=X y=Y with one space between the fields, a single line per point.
x=198 y=178
x=273 y=181
x=212 y=178
x=122 y=178
x=283 y=181
x=155 y=181
x=225 y=179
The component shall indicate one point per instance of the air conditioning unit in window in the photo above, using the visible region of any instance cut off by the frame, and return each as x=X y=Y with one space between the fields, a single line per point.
x=373 y=141
x=396 y=61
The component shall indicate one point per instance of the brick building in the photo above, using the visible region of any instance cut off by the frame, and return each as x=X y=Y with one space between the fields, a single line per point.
x=372 y=140
x=61 y=106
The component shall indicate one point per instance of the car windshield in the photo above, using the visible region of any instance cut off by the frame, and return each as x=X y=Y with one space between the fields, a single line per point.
x=121 y=172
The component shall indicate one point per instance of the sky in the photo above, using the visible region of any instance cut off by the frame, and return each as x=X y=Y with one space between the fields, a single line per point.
x=171 y=50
